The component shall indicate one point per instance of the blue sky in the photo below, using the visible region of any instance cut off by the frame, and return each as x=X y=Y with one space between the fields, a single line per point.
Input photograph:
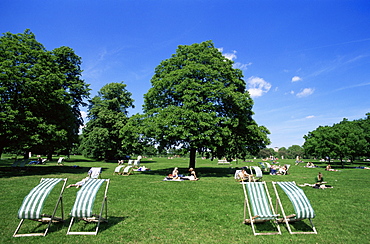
x=306 y=63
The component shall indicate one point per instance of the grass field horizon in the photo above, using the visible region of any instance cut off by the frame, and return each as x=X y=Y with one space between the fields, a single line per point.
x=144 y=209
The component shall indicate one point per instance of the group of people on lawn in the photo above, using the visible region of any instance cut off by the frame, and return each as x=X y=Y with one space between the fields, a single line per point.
x=176 y=176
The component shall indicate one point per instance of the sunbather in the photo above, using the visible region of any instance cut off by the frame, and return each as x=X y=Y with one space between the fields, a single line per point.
x=328 y=168
x=317 y=186
x=175 y=173
x=310 y=165
x=243 y=175
x=319 y=178
x=78 y=184
x=192 y=176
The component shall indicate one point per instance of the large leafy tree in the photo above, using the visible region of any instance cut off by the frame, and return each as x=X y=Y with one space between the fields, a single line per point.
x=319 y=142
x=199 y=102
x=107 y=115
x=41 y=92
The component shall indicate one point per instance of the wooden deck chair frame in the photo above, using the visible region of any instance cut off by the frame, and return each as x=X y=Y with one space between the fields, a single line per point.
x=258 y=176
x=302 y=206
x=83 y=206
x=258 y=201
x=33 y=203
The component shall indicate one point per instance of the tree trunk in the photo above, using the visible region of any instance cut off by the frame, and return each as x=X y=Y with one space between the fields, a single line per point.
x=50 y=156
x=193 y=152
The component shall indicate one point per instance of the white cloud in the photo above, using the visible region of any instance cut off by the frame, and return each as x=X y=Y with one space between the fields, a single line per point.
x=296 y=78
x=232 y=56
x=238 y=65
x=257 y=86
x=305 y=92
x=310 y=117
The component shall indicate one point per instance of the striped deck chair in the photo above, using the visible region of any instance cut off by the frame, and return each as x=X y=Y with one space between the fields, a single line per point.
x=302 y=206
x=94 y=172
x=258 y=176
x=259 y=205
x=137 y=163
x=84 y=203
x=263 y=166
x=33 y=204
x=127 y=170
x=118 y=170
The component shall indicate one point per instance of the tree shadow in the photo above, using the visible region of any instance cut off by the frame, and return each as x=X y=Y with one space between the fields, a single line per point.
x=201 y=172
x=7 y=172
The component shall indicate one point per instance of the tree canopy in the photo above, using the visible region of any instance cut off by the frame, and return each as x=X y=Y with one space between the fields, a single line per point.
x=107 y=115
x=41 y=93
x=199 y=102
x=347 y=139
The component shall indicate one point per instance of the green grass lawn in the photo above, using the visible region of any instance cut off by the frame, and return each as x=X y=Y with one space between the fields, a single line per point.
x=144 y=209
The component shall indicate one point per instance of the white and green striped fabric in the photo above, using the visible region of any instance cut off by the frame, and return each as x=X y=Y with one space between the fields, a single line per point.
x=84 y=203
x=33 y=203
x=302 y=205
x=258 y=171
x=259 y=201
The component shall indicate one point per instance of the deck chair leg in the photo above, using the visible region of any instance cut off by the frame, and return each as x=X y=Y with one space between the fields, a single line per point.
x=19 y=226
x=313 y=227
x=70 y=225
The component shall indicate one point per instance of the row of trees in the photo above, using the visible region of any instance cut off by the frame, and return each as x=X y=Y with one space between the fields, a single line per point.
x=198 y=103
x=41 y=93
x=346 y=139
x=288 y=153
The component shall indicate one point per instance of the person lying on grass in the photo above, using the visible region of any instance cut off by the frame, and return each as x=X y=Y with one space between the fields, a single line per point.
x=317 y=186
x=78 y=184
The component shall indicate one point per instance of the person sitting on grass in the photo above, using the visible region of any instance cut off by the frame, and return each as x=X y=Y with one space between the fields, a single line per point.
x=310 y=165
x=319 y=178
x=328 y=168
x=175 y=173
x=193 y=176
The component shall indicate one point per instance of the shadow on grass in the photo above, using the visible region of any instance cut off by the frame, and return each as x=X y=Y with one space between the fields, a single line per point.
x=300 y=226
x=201 y=172
x=265 y=227
x=7 y=172
x=39 y=227
x=81 y=225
